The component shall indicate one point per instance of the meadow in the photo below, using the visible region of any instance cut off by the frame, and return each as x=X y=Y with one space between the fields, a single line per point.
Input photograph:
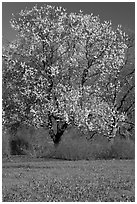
x=32 y=180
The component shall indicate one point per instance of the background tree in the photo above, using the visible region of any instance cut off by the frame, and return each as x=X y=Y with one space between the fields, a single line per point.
x=63 y=68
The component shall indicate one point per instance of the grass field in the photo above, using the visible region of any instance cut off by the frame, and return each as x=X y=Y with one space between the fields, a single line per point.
x=56 y=180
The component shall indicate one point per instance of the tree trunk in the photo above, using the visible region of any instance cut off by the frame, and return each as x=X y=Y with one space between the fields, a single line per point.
x=61 y=127
x=113 y=134
x=57 y=138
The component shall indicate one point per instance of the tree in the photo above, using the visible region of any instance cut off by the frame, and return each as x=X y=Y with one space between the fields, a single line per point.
x=126 y=96
x=59 y=69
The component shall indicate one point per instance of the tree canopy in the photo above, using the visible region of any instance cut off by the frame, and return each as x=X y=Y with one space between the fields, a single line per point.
x=65 y=68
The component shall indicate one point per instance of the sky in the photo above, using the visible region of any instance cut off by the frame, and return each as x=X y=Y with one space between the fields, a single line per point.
x=122 y=13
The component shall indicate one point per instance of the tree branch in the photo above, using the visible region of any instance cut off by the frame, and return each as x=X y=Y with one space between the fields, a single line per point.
x=130 y=107
x=124 y=97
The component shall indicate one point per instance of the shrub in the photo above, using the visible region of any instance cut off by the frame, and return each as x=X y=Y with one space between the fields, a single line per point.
x=19 y=146
x=28 y=141
x=73 y=149
x=123 y=149
x=81 y=149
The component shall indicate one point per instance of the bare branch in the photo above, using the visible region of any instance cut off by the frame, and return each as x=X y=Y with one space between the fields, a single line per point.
x=130 y=107
x=124 y=97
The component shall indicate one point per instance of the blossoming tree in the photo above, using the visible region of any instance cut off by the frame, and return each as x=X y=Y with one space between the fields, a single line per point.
x=63 y=68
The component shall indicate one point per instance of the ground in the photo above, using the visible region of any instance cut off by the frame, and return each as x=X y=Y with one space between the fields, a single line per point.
x=55 y=180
